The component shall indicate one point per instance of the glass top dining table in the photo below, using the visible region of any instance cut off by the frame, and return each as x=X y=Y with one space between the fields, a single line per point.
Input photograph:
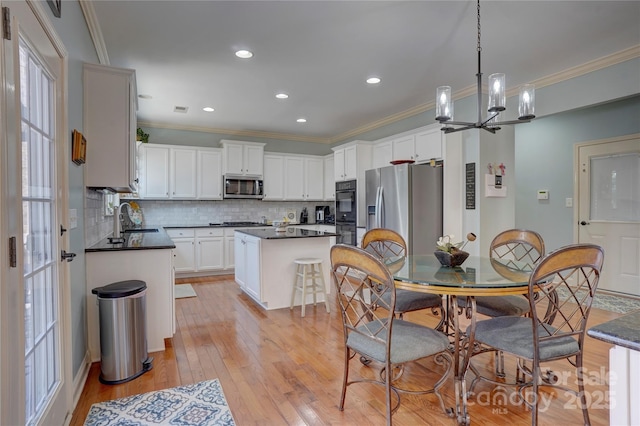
x=477 y=276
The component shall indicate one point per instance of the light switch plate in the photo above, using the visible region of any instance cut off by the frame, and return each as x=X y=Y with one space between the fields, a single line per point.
x=568 y=202
x=73 y=218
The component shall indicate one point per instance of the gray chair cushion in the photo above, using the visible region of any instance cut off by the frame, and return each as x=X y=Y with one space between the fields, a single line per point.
x=408 y=301
x=499 y=306
x=515 y=335
x=409 y=342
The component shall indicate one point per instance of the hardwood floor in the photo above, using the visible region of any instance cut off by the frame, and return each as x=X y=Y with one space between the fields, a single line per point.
x=277 y=368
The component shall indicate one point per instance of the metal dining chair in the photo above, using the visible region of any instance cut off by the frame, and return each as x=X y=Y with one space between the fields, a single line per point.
x=386 y=243
x=364 y=284
x=521 y=249
x=561 y=290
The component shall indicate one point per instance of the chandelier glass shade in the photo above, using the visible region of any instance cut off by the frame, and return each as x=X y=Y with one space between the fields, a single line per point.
x=496 y=101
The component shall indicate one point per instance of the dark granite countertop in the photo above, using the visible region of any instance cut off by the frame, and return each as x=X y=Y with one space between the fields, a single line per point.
x=290 y=232
x=623 y=331
x=230 y=225
x=136 y=241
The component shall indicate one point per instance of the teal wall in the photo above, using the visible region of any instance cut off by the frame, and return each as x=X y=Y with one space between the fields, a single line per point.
x=544 y=160
x=73 y=32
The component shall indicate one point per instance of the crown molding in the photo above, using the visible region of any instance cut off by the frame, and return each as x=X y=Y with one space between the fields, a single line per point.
x=232 y=132
x=94 y=30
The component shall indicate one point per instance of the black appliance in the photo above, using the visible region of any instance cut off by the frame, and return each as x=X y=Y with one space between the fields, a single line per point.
x=243 y=187
x=323 y=214
x=346 y=212
x=304 y=216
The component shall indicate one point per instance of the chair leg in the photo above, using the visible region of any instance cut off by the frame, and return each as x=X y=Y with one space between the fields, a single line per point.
x=304 y=288
x=387 y=381
x=295 y=285
x=583 y=396
x=324 y=289
x=345 y=377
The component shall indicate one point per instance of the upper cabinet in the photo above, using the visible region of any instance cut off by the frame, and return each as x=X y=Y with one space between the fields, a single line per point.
x=293 y=177
x=243 y=158
x=209 y=181
x=273 y=177
x=180 y=172
x=329 y=181
x=420 y=147
x=351 y=160
x=382 y=154
x=429 y=144
x=110 y=127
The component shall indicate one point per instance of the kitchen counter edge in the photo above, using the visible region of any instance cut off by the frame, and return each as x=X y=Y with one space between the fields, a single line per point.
x=622 y=331
x=136 y=241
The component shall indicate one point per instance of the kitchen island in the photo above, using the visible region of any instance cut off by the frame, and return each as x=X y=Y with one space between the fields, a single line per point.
x=264 y=266
x=146 y=256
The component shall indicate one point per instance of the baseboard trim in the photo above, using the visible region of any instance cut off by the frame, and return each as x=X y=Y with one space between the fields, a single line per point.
x=80 y=380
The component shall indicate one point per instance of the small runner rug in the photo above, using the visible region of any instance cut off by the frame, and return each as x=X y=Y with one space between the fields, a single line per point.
x=183 y=290
x=198 y=404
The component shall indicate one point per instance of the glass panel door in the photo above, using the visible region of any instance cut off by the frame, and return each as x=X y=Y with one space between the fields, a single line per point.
x=40 y=247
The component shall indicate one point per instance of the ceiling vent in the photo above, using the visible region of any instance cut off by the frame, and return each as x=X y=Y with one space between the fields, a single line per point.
x=182 y=109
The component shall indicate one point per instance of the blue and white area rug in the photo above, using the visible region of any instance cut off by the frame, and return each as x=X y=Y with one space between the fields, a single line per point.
x=198 y=404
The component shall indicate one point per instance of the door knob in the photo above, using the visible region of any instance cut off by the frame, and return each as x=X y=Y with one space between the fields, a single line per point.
x=583 y=223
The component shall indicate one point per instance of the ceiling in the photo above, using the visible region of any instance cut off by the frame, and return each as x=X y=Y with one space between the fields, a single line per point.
x=321 y=53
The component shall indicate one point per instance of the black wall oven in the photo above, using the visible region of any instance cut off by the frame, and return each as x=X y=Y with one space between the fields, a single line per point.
x=346 y=212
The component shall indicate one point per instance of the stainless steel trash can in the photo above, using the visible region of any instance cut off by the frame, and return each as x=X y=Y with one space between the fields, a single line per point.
x=123 y=331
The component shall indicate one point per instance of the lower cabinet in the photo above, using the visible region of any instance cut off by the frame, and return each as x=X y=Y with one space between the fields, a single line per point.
x=198 y=249
x=209 y=249
x=247 y=264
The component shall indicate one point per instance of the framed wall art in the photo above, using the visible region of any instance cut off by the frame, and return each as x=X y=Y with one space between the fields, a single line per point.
x=78 y=147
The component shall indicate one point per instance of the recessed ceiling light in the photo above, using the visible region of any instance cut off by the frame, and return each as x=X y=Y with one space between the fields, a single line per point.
x=282 y=96
x=373 y=80
x=244 y=54
x=145 y=96
x=301 y=120
x=208 y=109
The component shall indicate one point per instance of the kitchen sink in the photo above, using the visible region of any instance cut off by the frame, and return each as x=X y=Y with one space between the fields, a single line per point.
x=140 y=230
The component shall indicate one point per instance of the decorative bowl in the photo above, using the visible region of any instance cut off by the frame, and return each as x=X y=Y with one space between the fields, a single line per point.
x=453 y=259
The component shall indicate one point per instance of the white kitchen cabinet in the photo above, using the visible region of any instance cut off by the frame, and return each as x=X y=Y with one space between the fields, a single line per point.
x=329 y=180
x=182 y=173
x=429 y=144
x=404 y=148
x=273 y=177
x=294 y=187
x=229 y=248
x=109 y=125
x=185 y=251
x=314 y=178
x=351 y=160
x=420 y=147
x=154 y=171
x=247 y=261
x=243 y=158
x=209 y=180
x=382 y=154
x=209 y=249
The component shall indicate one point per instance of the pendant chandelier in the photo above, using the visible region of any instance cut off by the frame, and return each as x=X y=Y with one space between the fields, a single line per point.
x=496 y=104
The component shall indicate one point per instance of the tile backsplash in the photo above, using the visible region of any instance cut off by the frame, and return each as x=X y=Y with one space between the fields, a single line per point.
x=178 y=213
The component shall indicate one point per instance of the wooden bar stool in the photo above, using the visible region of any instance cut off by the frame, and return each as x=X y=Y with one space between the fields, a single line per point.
x=309 y=279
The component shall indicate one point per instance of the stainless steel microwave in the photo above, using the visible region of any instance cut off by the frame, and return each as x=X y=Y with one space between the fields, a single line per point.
x=243 y=187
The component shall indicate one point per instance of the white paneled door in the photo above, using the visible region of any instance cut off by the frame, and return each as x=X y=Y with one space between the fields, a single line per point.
x=609 y=208
x=34 y=348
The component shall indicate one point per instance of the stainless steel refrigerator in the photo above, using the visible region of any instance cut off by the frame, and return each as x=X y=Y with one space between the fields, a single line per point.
x=408 y=199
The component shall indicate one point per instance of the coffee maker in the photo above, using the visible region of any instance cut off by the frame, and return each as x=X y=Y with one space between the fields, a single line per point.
x=304 y=216
x=322 y=214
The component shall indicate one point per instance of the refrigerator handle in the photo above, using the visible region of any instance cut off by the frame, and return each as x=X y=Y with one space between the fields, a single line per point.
x=377 y=216
x=381 y=218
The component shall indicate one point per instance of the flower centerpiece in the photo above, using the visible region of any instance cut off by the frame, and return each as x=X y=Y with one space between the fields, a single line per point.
x=451 y=254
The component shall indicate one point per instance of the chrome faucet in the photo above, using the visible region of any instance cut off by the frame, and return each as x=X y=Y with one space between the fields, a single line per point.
x=117 y=219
